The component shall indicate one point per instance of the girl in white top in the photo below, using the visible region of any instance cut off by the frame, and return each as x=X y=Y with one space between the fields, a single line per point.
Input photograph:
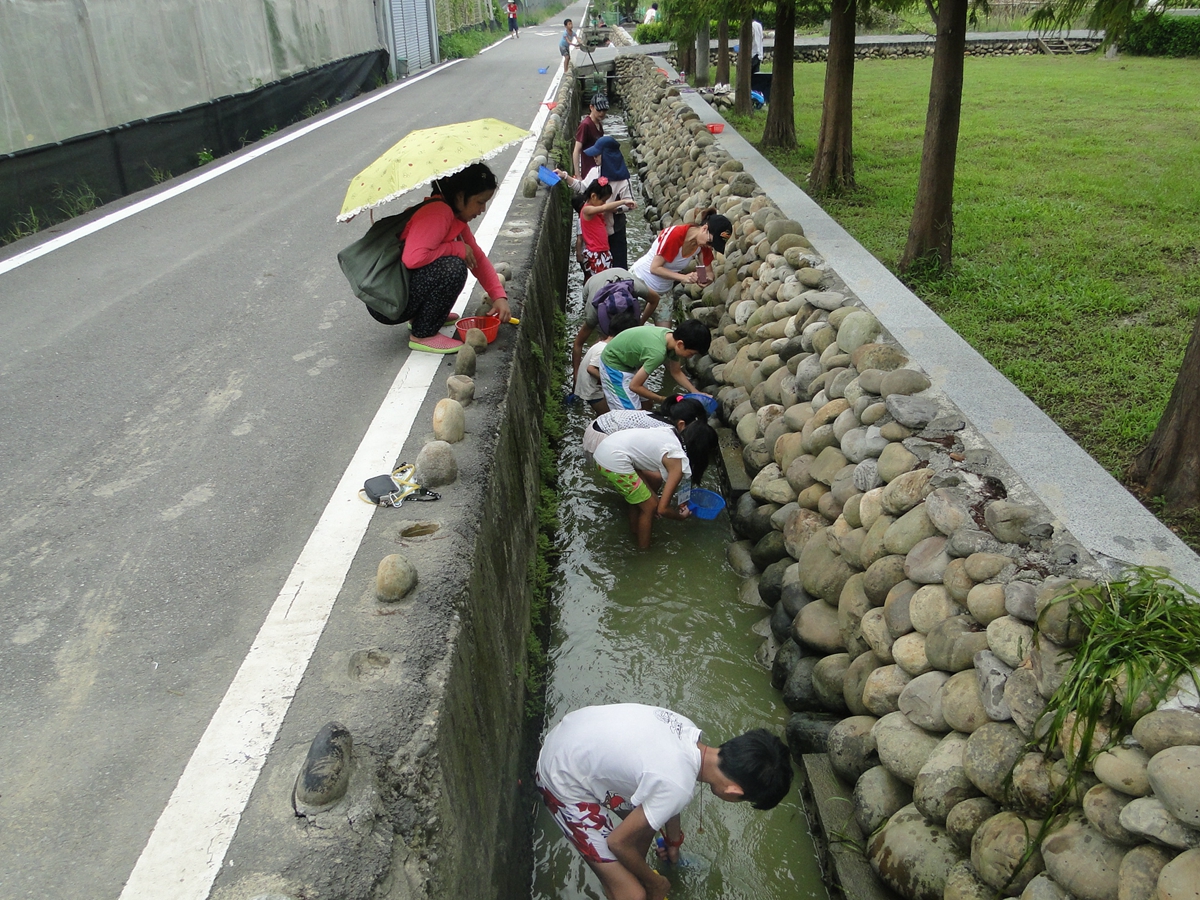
x=675 y=248
x=639 y=462
x=674 y=409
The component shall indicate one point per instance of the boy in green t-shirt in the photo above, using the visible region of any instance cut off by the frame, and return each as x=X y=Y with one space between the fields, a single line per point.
x=631 y=357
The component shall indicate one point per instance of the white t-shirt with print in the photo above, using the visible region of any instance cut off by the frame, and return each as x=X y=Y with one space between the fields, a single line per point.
x=587 y=385
x=623 y=756
x=642 y=448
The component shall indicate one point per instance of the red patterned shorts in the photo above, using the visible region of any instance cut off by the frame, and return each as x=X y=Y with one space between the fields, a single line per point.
x=586 y=825
x=595 y=262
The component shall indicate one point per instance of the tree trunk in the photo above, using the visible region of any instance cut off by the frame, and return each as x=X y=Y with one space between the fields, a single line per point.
x=780 y=130
x=723 y=48
x=1169 y=466
x=702 y=54
x=833 y=164
x=687 y=53
x=742 y=104
x=932 y=230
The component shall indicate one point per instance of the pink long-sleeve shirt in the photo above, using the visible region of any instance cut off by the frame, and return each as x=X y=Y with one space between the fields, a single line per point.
x=434 y=231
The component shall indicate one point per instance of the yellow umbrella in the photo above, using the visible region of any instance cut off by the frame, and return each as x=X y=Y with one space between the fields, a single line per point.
x=421 y=157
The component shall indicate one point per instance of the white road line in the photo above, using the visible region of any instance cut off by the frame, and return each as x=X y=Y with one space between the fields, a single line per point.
x=210 y=172
x=188 y=845
x=495 y=45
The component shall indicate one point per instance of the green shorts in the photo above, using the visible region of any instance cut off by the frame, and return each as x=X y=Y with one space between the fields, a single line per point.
x=628 y=484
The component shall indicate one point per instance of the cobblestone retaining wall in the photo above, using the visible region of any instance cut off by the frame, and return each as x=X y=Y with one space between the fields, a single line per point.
x=912 y=50
x=911 y=584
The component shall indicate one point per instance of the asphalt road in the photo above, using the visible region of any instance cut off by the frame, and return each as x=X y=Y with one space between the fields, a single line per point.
x=182 y=390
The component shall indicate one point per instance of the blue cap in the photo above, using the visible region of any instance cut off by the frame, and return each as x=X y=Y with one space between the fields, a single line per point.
x=612 y=163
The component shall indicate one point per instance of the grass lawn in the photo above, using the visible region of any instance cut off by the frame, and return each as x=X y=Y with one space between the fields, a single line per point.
x=1076 y=219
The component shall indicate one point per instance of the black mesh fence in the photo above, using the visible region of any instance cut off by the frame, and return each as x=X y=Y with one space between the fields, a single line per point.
x=44 y=184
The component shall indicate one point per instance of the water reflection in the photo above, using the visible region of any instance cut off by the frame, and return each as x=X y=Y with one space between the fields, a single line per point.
x=664 y=627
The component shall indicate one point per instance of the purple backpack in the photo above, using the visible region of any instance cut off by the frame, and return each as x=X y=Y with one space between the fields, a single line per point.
x=612 y=299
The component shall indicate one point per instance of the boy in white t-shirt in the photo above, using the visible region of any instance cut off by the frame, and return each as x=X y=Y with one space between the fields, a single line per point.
x=587 y=378
x=587 y=381
x=643 y=762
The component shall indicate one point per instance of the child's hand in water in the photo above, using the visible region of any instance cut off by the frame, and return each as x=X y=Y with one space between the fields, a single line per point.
x=685 y=511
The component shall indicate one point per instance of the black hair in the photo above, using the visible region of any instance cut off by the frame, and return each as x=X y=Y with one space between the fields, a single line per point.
x=567 y=22
x=596 y=189
x=700 y=442
x=622 y=321
x=476 y=178
x=694 y=335
x=678 y=408
x=758 y=762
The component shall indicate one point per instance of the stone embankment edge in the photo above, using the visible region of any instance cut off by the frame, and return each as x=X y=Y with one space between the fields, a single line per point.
x=432 y=687
x=1042 y=667
x=870 y=45
x=1086 y=499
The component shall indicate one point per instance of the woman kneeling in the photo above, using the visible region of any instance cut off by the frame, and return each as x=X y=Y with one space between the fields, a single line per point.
x=439 y=249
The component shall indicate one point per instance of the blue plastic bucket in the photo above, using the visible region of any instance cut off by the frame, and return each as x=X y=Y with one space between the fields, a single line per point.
x=547 y=176
x=705 y=504
x=709 y=403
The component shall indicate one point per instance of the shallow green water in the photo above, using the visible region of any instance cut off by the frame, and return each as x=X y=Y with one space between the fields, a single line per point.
x=664 y=627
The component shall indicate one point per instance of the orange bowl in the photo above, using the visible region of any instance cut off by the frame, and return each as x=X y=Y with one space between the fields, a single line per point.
x=715 y=127
x=489 y=325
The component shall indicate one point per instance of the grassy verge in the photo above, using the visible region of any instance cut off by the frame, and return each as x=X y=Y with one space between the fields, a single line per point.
x=467 y=43
x=1076 y=261
x=73 y=200
x=540 y=15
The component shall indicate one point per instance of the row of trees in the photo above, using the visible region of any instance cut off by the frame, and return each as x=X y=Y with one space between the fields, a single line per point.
x=1169 y=466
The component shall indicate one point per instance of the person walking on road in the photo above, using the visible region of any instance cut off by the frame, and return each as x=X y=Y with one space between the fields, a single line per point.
x=439 y=250
x=512 y=18
x=643 y=763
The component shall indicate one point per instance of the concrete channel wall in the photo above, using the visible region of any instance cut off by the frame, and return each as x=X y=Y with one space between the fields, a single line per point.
x=927 y=547
x=432 y=687
x=482 y=724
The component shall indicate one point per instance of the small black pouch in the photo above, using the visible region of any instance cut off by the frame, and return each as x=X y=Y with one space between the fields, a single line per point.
x=383 y=490
x=394 y=489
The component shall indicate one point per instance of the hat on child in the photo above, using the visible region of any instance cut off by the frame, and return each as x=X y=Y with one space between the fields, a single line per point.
x=612 y=163
x=721 y=230
x=600 y=101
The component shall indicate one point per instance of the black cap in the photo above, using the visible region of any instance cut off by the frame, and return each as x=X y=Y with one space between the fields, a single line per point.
x=721 y=230
x=600 y=101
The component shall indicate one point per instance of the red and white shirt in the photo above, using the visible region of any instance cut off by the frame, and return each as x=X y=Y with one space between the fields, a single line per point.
x=668 y=245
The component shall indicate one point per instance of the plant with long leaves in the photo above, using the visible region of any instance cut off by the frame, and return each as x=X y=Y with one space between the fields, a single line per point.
x=1138 y=638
